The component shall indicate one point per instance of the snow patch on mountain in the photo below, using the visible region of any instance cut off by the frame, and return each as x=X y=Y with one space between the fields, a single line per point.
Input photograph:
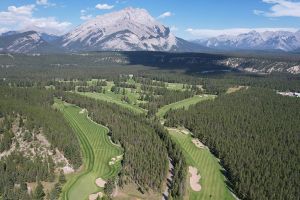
x=268 y=40
x=128 y=29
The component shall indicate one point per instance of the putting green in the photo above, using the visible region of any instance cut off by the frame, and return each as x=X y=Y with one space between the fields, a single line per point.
x=97 y=151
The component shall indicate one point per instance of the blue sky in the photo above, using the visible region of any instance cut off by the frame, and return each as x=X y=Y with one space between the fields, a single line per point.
x=187 y=18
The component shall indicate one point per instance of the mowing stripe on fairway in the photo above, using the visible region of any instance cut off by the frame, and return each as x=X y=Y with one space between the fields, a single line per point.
x=212 y=181
x=97 y=151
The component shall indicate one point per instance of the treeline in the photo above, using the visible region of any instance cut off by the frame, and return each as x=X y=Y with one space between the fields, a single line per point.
x=149 y=81
x=35 y=106
x=255 y=133
x=98 y=89
x=145 y=160
x=177 y=188
x=124 y=84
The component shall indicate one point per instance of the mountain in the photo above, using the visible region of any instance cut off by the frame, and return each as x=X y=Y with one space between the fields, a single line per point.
x=25 y=42
x=45 y=36
x=49 y=37
x=127 y=30
x=9 y=33
x=268 y=40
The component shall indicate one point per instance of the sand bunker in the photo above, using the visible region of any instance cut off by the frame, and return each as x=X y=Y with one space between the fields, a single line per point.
x=194 y=179
x=197 y=143
x=68 y=169
x=82 y=111
x=100 y=182
x=95 y=196
x=186 y=132
x=115 y=159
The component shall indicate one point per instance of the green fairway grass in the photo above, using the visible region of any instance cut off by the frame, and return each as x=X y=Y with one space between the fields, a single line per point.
x=212 y=181
x=183 y=104
x=97 y=151
x=115 y=98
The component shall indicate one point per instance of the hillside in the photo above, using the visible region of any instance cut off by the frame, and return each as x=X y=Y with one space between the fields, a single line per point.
x=33 y=145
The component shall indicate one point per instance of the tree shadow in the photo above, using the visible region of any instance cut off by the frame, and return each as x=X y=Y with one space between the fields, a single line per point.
x=191 y=63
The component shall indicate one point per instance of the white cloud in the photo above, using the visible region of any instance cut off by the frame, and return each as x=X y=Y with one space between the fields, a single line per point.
x=84 y=15
x=281 y=8
x=174 y=28
x=22 y=10
x=164 y=15
x=207 y=33
x=21 y=18
x=104 y=6
x=45 y=3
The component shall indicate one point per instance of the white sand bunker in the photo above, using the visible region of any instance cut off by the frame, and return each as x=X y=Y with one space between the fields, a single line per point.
x=197 y=143
x=100 y=182
x=68 y=169
x=194 y=179
x=95 y=196
x=82 y=111
x=115 y=159
x=186 y=132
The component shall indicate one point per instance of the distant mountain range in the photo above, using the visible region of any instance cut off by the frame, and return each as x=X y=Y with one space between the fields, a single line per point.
x=126 y=30
x=133 y=29
x=269 y=40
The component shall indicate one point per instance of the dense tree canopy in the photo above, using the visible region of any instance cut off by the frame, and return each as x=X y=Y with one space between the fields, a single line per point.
x=255 y=133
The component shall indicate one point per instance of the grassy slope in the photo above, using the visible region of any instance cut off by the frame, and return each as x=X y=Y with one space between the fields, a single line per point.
x=182 y=104
x=97 y=152
x=212 y=181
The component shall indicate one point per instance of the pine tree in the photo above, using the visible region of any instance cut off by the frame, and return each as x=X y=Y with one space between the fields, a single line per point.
x=62 y=178
x=109 y=187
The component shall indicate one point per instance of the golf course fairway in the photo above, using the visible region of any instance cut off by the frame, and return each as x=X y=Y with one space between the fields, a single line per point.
x=97 y=151
x=183 y=104
x=212 y=181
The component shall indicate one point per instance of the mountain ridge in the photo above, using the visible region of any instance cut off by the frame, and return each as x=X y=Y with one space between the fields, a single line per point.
x=134 y=29
x=269 y=40
x=130 y=29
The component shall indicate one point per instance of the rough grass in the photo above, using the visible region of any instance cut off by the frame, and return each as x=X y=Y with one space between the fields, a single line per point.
x=183 y=104
x=212 y=180
x=97 y=151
